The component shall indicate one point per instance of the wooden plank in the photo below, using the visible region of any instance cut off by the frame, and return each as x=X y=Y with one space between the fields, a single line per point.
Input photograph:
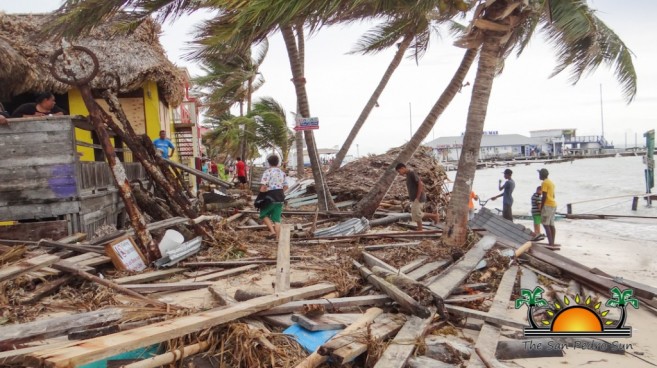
x=372 y=261
x=15 y=357
x=467 y=312
x=414 y=265
x=230 y=263
x=56 y=326
x=468 y=298
x=387 y=246
x=331 y=304
x=222 y=274
x=34 y=230
x=487 y=340
x=446 y=282
x=148 y=276
x=86 y=351
x=426 y=269
x=167 y=286
x=316 y=324
x=383 y=327
x=402 y=346
x=26 y=265
x=282 y=282
x=404 y=300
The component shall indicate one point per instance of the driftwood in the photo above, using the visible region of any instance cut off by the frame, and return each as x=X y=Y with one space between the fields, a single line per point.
x=384 y=326
x=244 y=295
x=171 y=356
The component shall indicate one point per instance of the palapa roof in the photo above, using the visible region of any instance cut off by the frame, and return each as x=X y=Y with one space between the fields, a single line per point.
x=135 y=58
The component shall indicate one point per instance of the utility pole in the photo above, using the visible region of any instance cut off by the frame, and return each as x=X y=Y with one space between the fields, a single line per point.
x=410 y=120
x=602 y=117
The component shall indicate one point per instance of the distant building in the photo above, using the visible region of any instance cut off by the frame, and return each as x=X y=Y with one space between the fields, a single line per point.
x=565 y=142
x=493 y=146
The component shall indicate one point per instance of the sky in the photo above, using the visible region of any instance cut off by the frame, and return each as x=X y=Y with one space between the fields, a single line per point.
x=523 y=98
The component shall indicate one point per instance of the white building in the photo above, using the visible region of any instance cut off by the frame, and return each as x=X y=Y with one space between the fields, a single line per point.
x=493 y=146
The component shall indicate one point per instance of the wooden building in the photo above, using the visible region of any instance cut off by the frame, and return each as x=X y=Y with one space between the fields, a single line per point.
x=53 y=175
x=151 y=86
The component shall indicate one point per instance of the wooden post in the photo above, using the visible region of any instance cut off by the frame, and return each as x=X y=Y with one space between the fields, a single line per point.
x=569 y=208
x=283 y=260
x=635 y=203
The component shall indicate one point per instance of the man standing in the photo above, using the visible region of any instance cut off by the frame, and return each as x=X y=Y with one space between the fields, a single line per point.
x=417 y=195
x=548 y=207
x=163 y=144
x=240 y=167
x=507 y=194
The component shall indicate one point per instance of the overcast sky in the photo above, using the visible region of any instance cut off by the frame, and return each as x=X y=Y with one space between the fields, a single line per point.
x=523 y=97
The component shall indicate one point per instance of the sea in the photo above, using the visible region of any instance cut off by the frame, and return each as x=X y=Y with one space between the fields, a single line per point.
x=580 y=180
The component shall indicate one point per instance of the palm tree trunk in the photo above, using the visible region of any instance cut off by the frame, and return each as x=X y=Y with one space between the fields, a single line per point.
x=456 y=223
x=623 y=316
x=394 y=64
x=301 y=47
x=325 y=202
x=367 y=206
x=249 y=92
x=530 y=316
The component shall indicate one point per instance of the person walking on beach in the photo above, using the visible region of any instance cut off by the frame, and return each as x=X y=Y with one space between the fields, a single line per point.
x=548 y=207
x=163 y=143
x=507 y=194
x=274 y=184
x=536 y=200
x=240 y=166
x=471 y=205
x=417 y=195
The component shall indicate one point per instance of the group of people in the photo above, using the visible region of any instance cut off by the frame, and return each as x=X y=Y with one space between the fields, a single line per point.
x=544 y=206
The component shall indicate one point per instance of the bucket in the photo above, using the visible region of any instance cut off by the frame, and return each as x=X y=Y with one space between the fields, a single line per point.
x=171 y=239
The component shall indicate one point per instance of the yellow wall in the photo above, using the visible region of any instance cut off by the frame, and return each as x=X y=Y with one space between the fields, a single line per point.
x=77 y=107
x=152 y=109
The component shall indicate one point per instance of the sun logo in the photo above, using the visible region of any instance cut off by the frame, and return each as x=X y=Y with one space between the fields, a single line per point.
x=581 y=318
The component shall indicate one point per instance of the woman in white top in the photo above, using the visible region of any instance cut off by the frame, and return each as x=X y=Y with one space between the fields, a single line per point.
x=274 y=185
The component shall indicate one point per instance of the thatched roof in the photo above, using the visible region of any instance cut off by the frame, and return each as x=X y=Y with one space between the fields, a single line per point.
x=136 y=58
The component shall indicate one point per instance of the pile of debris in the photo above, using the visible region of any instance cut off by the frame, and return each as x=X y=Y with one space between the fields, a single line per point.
x=375 y=297
x=355 y=179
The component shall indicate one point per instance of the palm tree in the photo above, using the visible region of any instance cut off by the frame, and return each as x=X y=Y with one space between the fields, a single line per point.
x=583 y=42
x=368 y=204
x=533 y=299
x=620 y=300
x=272 y=131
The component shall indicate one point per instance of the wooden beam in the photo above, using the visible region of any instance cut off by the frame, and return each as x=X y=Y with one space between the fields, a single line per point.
x=331 y=305
x=405 y=301
x=222 y=274
x=446 y=282
x=426 y=269
x=317 y=324
x=167 y=286
x=86 y=351
x=282 y=282
x=384 y=326
x=72 y=247
x=26 y=265
x=56 y=326
x=200 y=174
x=148 y=276
x=394 y=245
x=467 y=312
x=372 y=261
x=402 y=346
x=487 y=340
x=230 y=263
x=170 y=356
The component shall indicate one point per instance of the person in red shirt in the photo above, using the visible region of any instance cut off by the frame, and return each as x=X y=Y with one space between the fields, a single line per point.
x=213 y=168
x=240 y=166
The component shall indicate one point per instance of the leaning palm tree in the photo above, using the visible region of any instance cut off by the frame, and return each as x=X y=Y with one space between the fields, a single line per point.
x=272 y=132
x=582 y=41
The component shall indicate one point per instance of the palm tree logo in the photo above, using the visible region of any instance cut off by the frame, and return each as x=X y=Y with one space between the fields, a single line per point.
x=533 y=299
x=579 y=317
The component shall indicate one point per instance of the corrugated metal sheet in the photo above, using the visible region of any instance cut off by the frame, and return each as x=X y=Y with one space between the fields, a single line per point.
x=349 y=227
x=181 y=252
x=501 y=227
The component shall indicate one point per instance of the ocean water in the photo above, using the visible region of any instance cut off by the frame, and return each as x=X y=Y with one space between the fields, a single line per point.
x=581 y=180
